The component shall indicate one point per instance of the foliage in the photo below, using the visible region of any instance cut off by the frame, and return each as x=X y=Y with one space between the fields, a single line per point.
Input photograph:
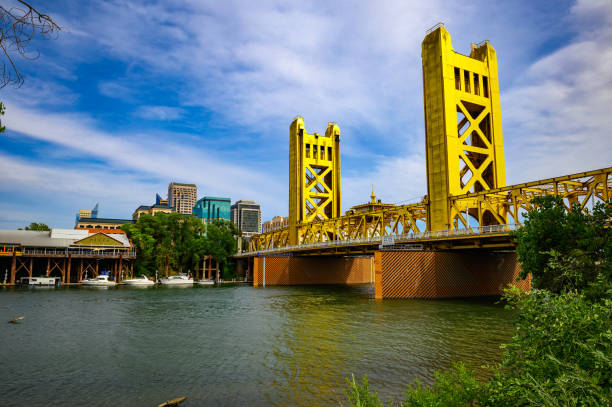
x=181 y=241
x=37 y=226
x=18 y=27
x=560 y=354
x=359 y=394
x=221 y=238
x=456 y=387
x=565 y=250
x=2 y=110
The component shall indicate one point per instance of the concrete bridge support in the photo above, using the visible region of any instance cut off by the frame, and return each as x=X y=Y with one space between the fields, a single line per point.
x=430 y=274
x=312 y=270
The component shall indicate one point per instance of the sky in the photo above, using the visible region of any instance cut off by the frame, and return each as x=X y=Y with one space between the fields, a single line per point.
x=132 y=95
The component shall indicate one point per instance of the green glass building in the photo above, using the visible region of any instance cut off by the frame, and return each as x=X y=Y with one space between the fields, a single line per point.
x=211 y=208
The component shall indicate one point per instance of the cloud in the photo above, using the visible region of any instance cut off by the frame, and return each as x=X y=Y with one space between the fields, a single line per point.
x=160 y=112
x=146 y=155
x=559 y=117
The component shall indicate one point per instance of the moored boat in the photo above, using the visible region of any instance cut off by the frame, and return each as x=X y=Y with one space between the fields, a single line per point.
x=100 y=281
x=205 y=282
x=139 y=281
x=177 y=280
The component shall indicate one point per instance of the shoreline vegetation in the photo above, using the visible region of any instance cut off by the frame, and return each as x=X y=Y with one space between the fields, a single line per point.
x=561 y=350
x=175 y=243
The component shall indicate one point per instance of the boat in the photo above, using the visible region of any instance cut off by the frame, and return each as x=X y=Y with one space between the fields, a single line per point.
x=177 y=280
x=40 y=281
x=205 y=282
x=139 y=281
x=100 y=281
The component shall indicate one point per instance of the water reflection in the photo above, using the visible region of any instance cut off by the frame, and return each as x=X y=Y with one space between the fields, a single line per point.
x=230 y=345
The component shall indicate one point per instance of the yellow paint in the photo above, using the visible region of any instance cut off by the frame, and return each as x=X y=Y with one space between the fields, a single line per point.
x=463 y=129
x=314 y=176
x=99 y=239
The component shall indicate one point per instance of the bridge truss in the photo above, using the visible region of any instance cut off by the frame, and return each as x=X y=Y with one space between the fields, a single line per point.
x=505 y=206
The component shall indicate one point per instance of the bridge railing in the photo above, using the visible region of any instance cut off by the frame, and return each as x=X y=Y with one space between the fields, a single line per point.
x=408 y=237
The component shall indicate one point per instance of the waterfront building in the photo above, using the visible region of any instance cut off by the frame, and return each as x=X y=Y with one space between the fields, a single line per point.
x=212 y=208
x=277 y=222
x=246 y=215
x=69 y=254
x=88 y=213
x=373 y=205
x=182 y=197
x=100 y=223
x=150 y=210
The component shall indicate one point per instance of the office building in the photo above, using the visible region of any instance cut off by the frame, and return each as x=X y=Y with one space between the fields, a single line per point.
x=246 y=215
x=100 y=223
x=212 y=208
x=277 y=222
x=160 y=201
x=150 y=210
x=88 y=213
x=182 y=197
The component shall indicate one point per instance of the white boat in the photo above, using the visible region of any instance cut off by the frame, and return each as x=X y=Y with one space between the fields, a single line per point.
x=100 y=281
x=205 y=282
x=177 y=280
x=139 y=281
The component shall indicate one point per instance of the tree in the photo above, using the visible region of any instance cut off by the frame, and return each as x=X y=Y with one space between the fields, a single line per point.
x=565 y=249
x=37 y=226
x=18 y=27
x=221 y=244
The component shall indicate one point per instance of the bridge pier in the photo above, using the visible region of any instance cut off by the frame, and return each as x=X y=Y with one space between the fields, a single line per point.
x=286 y=270
x=437 y=274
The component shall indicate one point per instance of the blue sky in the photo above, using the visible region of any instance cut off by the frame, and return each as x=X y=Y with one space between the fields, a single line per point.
x=133 y=95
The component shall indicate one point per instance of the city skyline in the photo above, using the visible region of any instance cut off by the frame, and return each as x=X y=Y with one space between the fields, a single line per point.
x=103 y=117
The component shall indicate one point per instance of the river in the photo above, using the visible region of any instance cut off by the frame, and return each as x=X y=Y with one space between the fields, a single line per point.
x=231 y=346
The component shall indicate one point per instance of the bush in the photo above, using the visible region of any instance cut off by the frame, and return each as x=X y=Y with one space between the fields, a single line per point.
x=565 y=250
x=560 y=355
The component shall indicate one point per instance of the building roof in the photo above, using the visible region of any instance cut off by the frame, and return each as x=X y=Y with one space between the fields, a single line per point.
x=156 y=206
x=182 y=185
x=104 y=220
x=56 y=238
x=215 y=198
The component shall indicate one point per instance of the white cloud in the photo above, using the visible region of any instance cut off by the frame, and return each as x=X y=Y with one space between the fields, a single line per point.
x=558 y=122
x=160 y=112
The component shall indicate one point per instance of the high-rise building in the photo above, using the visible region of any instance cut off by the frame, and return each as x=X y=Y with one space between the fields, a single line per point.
x=88 y=213
x=277 y=222
x=211 y=208
x=246 y=215
x=160 y=201
x=182 y=197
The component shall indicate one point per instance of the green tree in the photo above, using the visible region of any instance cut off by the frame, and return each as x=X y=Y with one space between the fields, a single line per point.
x=565 y=249
x=37 y=226
x=182 y=241
x=221 y=244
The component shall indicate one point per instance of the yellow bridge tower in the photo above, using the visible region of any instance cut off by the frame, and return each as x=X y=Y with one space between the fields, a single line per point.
x=463 y=131
x=314 y=176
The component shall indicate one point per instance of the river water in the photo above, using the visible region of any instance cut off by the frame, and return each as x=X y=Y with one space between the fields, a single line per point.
x=231 y=346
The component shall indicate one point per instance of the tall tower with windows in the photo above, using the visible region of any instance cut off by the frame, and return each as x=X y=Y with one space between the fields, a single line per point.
x=314 y=176
x=463 y=130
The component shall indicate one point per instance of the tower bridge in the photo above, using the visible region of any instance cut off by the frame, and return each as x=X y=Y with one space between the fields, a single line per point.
x=455 y=242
